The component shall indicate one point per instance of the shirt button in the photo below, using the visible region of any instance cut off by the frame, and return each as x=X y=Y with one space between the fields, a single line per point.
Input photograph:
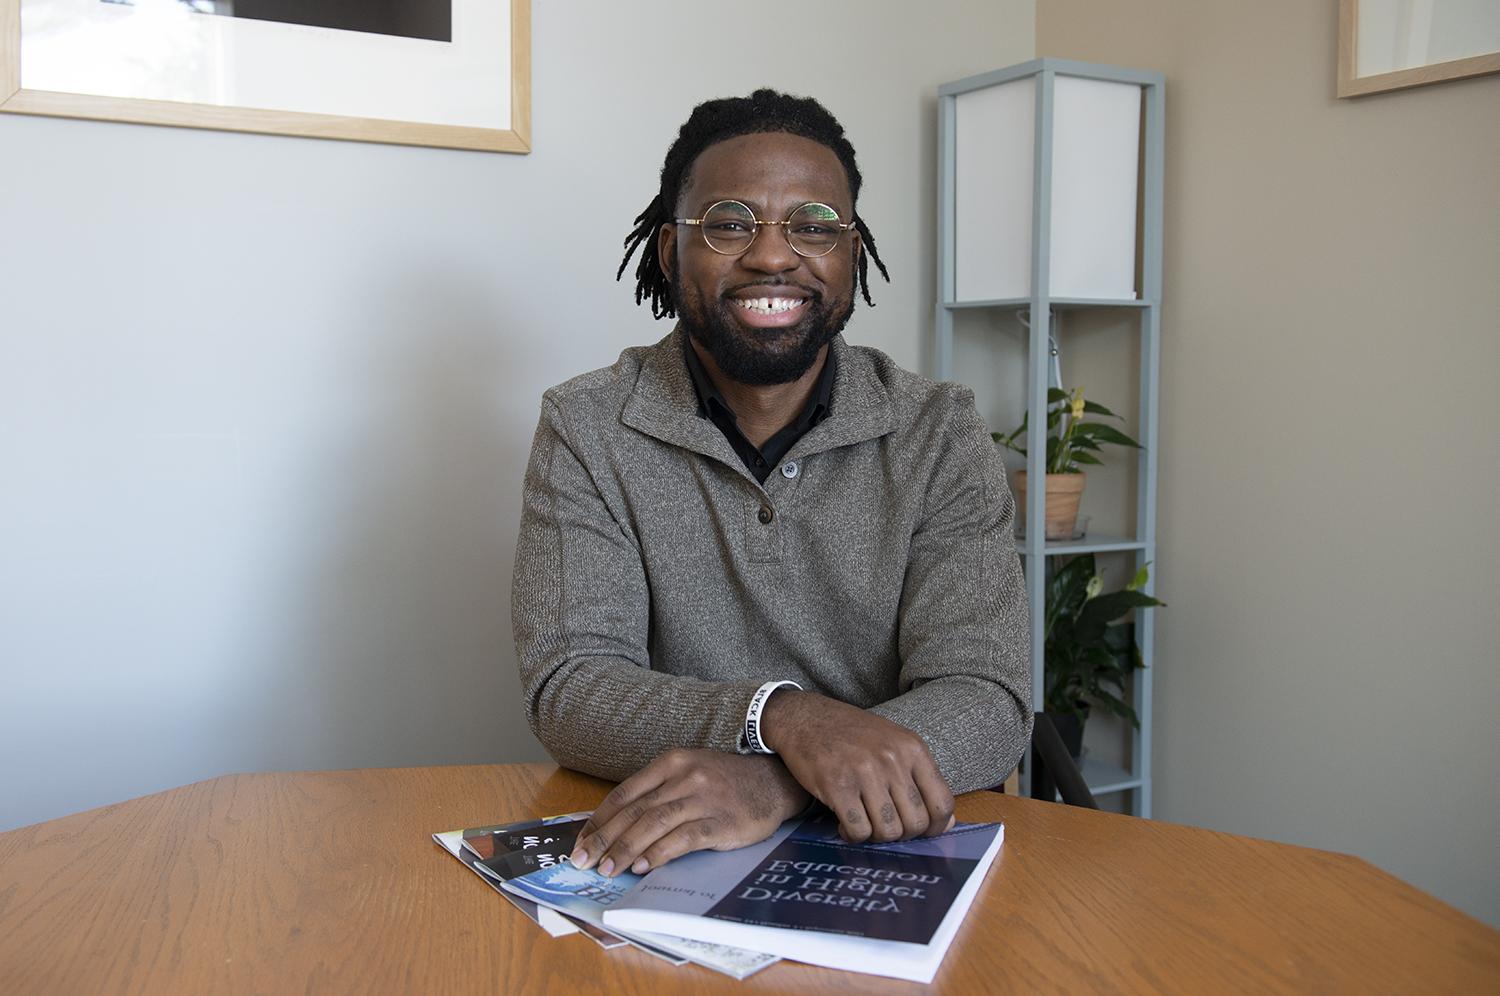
x=760 y=461
x=766 y=515
x=789 y=469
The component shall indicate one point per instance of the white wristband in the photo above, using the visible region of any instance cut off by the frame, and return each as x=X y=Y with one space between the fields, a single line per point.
x=758 y=706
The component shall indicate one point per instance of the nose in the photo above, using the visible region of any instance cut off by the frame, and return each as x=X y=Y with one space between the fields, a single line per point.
x=770 y=252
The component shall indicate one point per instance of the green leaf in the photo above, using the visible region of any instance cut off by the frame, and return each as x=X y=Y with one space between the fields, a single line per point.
x=1068 y=588
x=1056 y=394
x=1108 y=608
x=1088 y=657
x=1097 y=409
x=1081 y=457
x=1109 y=434
x=1118 y=706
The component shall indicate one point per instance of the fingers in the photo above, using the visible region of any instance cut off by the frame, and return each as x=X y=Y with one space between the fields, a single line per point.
x=844 y=800
x=866 y=811
x=912 y=810
x=638 y=827
x=590 y=845
x=936 y=796
x=695 y=835
x=893 y=796
x=885 y=819
x=854 y=823
x=863 y=804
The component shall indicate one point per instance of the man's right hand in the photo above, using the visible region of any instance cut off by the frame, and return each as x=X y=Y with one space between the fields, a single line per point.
x=688 y=800
x=876 y=776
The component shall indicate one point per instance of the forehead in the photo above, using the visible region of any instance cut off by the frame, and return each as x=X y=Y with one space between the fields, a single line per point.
x=767 y=170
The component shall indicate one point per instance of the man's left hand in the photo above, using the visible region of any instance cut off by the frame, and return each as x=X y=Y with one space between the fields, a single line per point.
x=688 y=800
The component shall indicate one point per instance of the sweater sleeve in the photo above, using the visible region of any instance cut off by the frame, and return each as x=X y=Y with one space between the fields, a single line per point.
x=964 y=627
x=580 y=612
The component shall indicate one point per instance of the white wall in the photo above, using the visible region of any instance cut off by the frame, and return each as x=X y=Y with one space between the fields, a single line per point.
x=265 y=402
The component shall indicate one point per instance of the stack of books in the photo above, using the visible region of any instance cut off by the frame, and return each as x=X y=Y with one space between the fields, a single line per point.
x=804 y=893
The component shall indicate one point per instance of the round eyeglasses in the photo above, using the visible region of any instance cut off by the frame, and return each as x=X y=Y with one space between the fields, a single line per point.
x=729 y=227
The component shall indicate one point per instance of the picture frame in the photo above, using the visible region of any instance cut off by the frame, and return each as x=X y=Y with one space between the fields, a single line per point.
x=1394 y=44
x=149 y=62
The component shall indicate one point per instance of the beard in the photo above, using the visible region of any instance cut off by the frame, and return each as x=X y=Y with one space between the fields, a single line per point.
x=759 y=356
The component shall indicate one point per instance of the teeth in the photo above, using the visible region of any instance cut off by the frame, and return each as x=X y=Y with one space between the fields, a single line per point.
x=769 y=305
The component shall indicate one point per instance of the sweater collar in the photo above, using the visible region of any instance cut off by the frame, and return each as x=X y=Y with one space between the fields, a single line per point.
x=664 y=404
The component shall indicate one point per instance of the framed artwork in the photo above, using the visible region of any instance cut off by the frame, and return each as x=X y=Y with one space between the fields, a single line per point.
x=447 y=73
x=1393 y=44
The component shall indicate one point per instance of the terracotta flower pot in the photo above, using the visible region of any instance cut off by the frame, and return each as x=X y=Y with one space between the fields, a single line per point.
x=1064 y=491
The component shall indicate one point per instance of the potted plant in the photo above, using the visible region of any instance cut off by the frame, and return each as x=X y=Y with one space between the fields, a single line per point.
x=1088 y=655
x=1071 y=445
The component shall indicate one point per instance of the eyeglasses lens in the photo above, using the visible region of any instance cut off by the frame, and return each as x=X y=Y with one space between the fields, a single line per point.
x=813 y=229
x=729 y=227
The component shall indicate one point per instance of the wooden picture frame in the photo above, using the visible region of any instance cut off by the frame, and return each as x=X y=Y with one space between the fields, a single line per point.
x=516 y=137
x=1352 y=84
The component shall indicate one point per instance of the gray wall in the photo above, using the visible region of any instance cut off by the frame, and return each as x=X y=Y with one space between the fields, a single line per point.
x=1327 y=666
x=265 y=402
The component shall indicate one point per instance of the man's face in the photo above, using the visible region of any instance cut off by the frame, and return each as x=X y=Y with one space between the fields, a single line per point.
x=717 y=295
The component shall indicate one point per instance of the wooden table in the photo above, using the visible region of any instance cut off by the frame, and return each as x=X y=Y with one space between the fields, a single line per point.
x=329 y=882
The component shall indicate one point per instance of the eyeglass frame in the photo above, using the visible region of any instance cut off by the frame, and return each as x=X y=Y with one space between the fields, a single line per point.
x=842 y=226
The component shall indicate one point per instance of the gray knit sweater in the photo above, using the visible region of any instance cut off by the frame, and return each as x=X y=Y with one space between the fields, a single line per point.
x=657 y=584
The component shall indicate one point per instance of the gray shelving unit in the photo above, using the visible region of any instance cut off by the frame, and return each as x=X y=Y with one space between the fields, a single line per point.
x=1102 y=778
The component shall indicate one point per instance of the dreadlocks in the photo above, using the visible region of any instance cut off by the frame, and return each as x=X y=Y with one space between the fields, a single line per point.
x=715 y=121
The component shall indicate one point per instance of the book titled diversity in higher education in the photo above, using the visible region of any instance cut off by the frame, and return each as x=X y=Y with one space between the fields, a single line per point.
x=804 y=893
x=807 y=894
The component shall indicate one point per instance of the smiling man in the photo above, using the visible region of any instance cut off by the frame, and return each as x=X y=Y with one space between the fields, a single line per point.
x=759 y=566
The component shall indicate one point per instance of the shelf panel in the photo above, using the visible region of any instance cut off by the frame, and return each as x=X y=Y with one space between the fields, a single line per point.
x=1056 y=302
x=1104 y=778
x=1101 y=543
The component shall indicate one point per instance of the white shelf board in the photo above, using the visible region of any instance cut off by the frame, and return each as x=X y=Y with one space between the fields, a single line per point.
x=1105 y=778
x=1101 y=543
x=1056 y=302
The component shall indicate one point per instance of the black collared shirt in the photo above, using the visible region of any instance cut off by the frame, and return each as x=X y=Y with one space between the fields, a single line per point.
x=760 y=462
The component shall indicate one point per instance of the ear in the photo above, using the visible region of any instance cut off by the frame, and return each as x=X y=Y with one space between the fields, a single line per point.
x=666 y=248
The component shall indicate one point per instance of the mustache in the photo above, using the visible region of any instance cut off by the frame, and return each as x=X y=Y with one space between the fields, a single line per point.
x=812 y=292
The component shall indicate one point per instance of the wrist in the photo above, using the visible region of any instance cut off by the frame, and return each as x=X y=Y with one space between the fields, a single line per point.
x=774 y=718
x=753 y=736
x=791 y=799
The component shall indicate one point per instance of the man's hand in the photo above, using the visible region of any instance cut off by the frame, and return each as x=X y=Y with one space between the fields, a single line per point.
x=878 y=777
x=688 y=800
